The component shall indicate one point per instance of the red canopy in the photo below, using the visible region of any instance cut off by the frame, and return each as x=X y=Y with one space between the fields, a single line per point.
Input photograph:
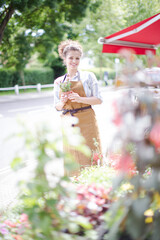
x=140 y=37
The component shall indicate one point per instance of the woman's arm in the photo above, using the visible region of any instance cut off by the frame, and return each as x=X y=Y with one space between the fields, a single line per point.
x=59 y=105
x=59 y=102
x=93 y=95
x=74 y=97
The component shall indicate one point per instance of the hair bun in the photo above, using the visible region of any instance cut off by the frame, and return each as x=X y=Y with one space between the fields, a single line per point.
x=68 y=45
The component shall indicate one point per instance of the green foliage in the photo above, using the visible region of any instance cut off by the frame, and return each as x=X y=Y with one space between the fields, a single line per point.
x=11 y=77
x=54 y=62
x=139 y=10
x=99 y=72
x=20 y=5
x=101 y=176
x=108 y=18
x=65 y=86
x=17 y=52
x=43 y=23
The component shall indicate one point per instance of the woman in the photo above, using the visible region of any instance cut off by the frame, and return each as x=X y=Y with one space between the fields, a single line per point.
x=84 y=93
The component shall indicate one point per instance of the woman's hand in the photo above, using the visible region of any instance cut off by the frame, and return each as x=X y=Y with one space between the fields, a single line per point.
x=74 y=97
x=64 y=97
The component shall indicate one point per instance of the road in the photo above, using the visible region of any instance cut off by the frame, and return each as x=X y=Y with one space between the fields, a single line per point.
x=24 y=105
x=10 y=111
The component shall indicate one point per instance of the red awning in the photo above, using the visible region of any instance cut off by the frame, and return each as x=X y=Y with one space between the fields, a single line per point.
x=140 y=37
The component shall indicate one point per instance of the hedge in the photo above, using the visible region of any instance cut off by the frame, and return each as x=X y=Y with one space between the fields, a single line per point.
x=99 y=72
x=11 y=77
x=8 y=77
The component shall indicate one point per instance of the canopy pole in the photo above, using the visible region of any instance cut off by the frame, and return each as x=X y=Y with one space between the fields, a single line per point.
x=116 y=67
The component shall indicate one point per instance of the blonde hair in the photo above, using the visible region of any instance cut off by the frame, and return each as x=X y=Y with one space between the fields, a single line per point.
x=68 y=45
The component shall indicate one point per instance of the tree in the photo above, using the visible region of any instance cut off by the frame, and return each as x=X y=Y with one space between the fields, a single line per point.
x=37 y=24
x=9 y=8
x=40 y=13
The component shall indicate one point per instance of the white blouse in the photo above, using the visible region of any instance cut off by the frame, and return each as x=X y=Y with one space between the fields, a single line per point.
x=89 y=82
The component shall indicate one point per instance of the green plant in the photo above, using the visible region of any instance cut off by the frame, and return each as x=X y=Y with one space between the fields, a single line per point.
x=98 y=175
x=65 y=86
x=50 y=200
x=97 y=156
x=99 y=72
x=14 y=226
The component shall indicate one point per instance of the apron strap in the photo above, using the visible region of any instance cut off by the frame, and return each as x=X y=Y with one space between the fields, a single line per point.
x=78 y=76
x=66 y=76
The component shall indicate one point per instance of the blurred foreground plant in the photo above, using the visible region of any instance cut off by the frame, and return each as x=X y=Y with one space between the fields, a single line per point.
x=46 y=189
x=13 y=226
x=135 y=155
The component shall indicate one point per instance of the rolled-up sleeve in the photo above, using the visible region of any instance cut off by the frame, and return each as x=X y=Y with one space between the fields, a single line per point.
x=56 y=92
x=93 y=85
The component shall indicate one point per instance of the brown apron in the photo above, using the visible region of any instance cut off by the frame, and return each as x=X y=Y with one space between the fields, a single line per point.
x=87 y=124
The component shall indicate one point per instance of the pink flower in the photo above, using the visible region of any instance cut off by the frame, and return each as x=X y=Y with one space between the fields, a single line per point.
x=113 y=159
x=24 y=217
x=124 y=163
x=99 y=201
x=117 y=119
x=154 y=136
x=17 y=237
x=3 y=229
x=97 y=158
x=10 y=224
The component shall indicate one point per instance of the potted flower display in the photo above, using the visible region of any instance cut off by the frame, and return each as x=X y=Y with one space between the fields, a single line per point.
x=136 y=150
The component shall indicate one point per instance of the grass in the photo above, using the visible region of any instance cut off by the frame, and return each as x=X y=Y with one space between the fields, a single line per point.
x=21 y=91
